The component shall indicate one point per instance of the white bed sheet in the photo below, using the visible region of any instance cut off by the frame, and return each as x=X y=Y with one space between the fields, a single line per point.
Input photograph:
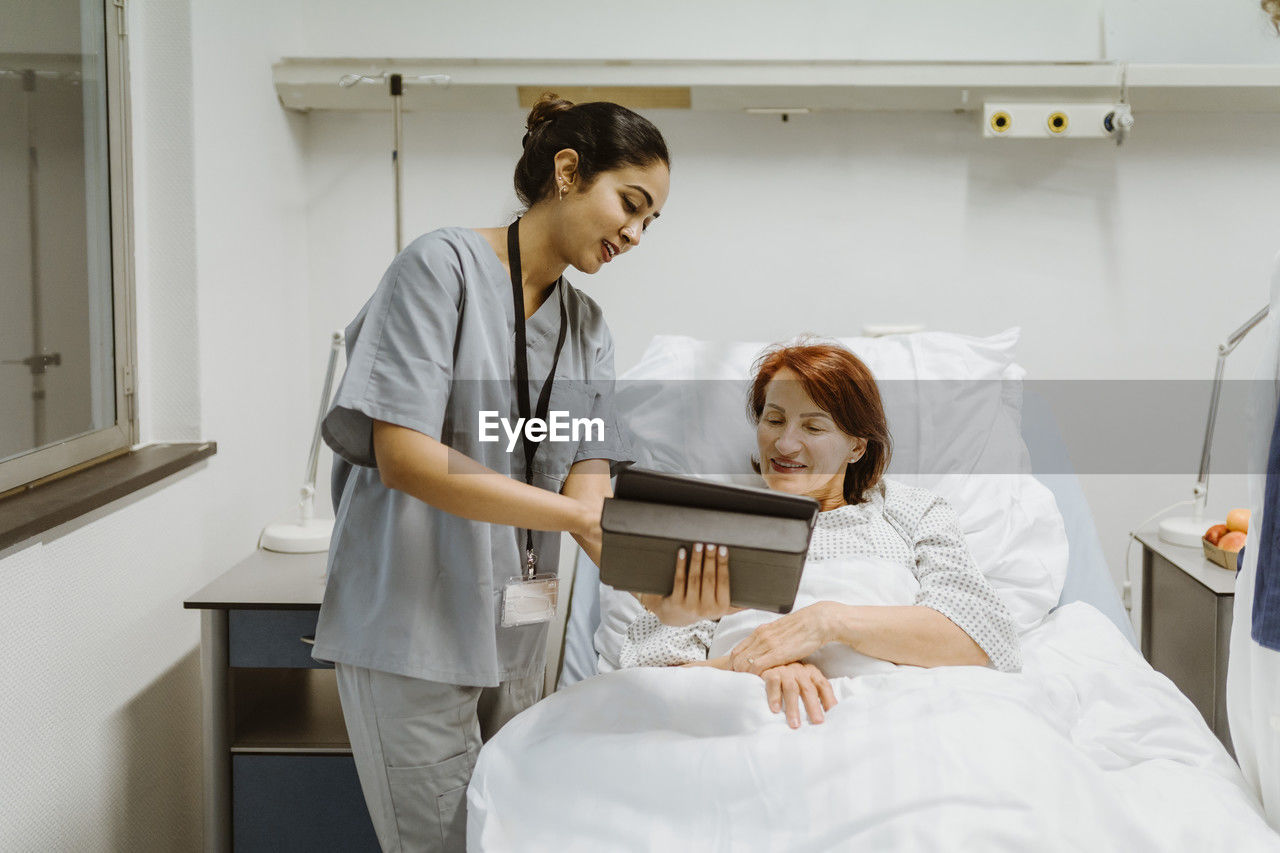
x=1087 y=749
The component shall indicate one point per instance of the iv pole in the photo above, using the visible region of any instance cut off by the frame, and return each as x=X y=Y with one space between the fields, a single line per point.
x=397 y=105
x=395 y=88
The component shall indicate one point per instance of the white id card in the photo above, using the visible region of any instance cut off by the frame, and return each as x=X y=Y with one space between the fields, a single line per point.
x=529 y=600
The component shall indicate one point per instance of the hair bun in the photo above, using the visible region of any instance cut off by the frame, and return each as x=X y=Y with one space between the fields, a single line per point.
x=549 y=106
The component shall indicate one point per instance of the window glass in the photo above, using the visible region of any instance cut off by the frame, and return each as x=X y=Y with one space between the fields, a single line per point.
x=57 y=343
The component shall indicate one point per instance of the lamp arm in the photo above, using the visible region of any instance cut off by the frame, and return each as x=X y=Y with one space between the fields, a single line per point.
x=1202 y=478
x=1238 y=335
x=313 y=458
x=1224 y=349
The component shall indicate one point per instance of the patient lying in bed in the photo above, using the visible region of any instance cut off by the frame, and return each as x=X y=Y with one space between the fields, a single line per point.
x=889 y=579
x=1086 y=748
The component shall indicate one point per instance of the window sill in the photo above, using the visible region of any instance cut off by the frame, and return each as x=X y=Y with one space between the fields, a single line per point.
x=35 y=510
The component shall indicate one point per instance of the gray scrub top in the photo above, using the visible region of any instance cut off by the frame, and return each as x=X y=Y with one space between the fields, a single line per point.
x=412 y=589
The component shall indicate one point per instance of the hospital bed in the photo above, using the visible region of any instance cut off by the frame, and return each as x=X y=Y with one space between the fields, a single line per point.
x=1087 y=747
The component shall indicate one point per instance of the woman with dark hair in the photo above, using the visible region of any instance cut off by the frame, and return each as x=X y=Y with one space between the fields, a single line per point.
x=448 y=528
x=821 y=432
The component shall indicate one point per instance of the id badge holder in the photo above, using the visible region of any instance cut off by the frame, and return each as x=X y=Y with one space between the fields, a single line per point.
x=529 y=598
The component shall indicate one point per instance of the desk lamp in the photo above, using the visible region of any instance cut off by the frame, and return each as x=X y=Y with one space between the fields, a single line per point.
x=1187 y=530
x=306 y=534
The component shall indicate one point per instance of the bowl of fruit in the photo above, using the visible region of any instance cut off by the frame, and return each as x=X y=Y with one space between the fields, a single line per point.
x=1223 y=542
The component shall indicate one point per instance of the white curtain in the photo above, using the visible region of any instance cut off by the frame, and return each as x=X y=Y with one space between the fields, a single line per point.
x=1253 y=672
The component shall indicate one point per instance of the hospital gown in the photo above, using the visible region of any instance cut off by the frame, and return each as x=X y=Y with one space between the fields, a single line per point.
x=910 y=526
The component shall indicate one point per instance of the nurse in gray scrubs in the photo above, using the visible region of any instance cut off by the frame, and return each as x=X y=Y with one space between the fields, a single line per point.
x=447 y=525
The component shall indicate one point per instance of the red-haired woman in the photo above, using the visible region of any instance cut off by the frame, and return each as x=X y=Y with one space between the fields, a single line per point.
x=821 y=431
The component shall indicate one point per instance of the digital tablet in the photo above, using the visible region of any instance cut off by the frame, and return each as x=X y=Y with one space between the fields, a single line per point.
x=654 y=514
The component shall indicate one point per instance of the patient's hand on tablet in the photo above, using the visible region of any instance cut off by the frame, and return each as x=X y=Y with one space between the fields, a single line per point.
x=700 y=589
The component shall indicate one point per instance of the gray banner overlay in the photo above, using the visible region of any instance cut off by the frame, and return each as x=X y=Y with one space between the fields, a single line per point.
x=939 y=427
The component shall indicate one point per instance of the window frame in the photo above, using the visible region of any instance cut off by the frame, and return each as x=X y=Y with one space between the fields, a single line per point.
x=46 y=463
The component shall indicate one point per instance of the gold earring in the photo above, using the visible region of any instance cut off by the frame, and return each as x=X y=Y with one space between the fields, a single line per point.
x=562 y=189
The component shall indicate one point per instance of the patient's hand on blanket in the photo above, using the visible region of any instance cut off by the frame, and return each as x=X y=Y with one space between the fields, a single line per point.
x=789 y=685
x=700 y=589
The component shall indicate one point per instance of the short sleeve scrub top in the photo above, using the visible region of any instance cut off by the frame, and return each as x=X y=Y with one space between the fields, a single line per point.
x=412 y=589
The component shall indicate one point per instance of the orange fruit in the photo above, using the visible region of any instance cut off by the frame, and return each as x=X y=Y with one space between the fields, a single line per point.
x=1213 y=534
x=1238 y=519
x=1233 y=541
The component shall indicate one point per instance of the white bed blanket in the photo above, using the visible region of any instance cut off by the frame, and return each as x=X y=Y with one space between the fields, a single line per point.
x=1087 y=749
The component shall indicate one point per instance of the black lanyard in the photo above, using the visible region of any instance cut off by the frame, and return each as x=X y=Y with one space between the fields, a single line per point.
x=522 y=374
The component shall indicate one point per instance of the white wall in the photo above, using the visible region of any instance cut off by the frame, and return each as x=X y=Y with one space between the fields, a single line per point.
x=259 y=232
x=1208 y=31
x=1111 y=259
x=1054 y=30
x=1128 y=263
x=98 y=660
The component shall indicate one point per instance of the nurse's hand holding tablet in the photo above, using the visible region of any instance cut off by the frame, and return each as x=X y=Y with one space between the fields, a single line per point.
x=441 y=566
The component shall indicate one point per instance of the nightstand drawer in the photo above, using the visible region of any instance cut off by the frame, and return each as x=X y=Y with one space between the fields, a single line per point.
x=299 y=802
x=272 y=638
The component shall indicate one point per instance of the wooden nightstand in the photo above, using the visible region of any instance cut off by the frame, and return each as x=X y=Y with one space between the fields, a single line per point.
x=1187 y=605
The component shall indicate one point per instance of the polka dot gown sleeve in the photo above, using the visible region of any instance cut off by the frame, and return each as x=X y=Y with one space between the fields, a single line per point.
x=651 y=643
x=950 y=581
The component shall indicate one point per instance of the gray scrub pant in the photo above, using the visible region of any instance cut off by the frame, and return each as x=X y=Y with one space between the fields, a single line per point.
x=415 y=744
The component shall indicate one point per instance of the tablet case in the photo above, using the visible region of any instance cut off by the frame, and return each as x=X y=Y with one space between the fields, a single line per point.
x=653 y=514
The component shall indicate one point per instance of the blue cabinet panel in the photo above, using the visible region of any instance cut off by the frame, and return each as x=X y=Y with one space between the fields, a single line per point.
x=272 y=638
x=283 y=803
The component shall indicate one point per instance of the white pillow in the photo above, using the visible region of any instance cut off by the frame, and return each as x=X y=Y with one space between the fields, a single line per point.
x=953 y=403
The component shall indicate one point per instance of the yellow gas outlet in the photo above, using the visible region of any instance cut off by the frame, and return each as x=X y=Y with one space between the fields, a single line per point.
x=1059 y=120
